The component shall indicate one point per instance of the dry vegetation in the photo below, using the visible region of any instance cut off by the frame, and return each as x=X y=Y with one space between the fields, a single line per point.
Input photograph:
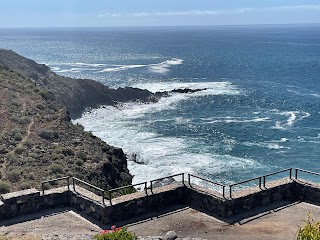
x=38 y=141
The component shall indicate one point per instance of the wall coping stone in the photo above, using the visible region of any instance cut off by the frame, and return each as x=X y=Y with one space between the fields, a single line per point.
x=55 y=190
x=22 y=193
x=138 y=195
x=253 y=190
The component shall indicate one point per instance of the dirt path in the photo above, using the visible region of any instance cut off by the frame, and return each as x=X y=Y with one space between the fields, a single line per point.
x=23 y=140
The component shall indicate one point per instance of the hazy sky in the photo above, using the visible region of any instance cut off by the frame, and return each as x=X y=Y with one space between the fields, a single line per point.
x=110 y=13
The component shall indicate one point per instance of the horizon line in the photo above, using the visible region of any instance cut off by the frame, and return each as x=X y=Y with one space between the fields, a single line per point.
x=162 y=26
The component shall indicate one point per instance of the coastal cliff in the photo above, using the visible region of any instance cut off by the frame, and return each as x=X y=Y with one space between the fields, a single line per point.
x=75 y=94
x=38 y=140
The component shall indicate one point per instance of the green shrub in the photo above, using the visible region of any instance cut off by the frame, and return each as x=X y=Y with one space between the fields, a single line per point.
x=45 y=94
x=82 y=156
x=15 y=131
x=19 y=150
x=24 y=185
x=33 y=155
x=28 y=144
x=31 y=176
x=3 y=150
x=12 y=158
x=14 y=175
x=48 y=134
x=56 y=168
x=40 y=106
x=4 y=187
x=18 y=137
x=79 y=162
x=311 y=231
x=116 y=234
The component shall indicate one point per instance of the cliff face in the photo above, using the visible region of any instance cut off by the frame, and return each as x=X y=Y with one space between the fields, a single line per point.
x=37 y=139
x=75 y=94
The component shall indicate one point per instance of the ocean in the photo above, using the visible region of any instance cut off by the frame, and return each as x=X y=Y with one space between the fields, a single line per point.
x=259 y=110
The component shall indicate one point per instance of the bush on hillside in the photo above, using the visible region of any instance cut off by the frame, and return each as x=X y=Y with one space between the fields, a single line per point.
x=4 y=187
x=48 y=134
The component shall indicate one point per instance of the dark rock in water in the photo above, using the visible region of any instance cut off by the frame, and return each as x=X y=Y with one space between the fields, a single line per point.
x=135 y=158
x=187 y=90
x=163 y=182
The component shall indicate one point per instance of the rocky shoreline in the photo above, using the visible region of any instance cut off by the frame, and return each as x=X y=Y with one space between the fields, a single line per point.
x=39 y=105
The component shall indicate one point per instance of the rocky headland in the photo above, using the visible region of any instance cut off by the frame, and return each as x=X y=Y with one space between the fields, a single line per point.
x=38 y=140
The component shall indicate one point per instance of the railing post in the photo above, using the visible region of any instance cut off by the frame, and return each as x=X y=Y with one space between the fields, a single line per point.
x=151 y=185
x=68 y=182
x=290 y=173
x=102 y=192
x=230 y=191
x=223 y=191
x=264 y=181
x=183 y=178
x=296 y=173
x=145 y=188
x=42 y=186
x=74 y=186
x=110 y=198
x=189 y=179
x=260 y=182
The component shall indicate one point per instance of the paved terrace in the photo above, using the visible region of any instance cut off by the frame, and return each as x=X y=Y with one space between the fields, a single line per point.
x=277 y=218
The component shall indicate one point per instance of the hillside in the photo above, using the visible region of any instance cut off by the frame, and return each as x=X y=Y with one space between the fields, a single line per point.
x=75 y=94
x=39 y=142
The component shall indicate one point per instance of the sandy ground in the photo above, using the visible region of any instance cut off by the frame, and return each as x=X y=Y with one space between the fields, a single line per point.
x=277 y=221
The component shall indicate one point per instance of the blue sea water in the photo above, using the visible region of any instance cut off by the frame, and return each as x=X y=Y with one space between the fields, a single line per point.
x=260 y=111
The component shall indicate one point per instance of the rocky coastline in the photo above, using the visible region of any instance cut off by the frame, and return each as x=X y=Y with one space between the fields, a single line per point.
x=38 y=136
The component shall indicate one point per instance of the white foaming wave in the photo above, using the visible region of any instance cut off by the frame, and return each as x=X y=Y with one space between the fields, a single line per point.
x=88 y=64
x=269 y=145
x=210 y=88
x=316 y=95
x=161 y=155
x=121 y=68
x=293 y=116
x=74 y=70
x=163 y=67
x=237 y=120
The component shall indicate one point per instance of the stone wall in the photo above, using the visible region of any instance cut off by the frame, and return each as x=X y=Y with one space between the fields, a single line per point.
x=241 y=201
x=132 y=205
x=31 y=201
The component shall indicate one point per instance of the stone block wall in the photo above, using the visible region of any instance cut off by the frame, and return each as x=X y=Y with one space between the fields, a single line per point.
x=30 y=201
x=129 y=206
x=132 y=205
x=219 y=206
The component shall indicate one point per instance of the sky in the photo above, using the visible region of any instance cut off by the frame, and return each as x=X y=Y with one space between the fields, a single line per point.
x=115 y=13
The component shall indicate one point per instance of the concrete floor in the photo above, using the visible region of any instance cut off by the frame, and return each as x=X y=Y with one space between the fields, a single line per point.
x=277 y=221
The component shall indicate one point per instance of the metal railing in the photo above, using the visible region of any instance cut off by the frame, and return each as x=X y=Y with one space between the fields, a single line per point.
x=209 y=181
x=305 y=171
x=171 y=176
x=262 y=179
x=262 y=182
x=238 y=183
x=125 y=187
x=55 y=180
x=274 y=173
x=74 y=179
